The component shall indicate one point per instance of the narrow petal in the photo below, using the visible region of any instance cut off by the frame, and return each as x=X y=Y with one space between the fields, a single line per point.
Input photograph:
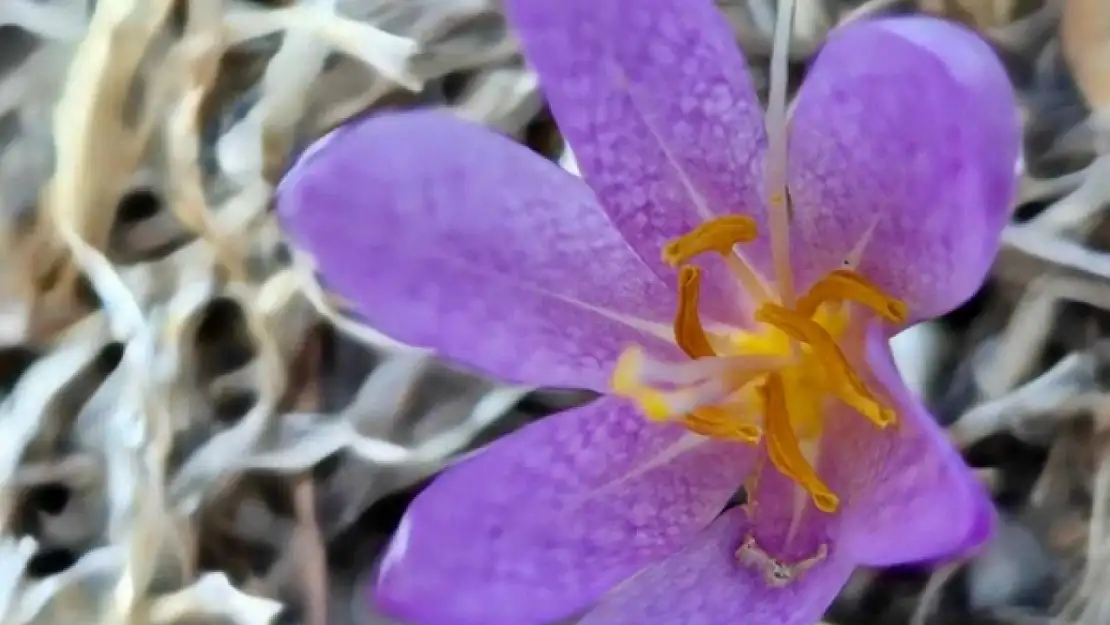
x=707 y=585
x=655 y=99
x=546 y=520
x=905 y=138
x=448 y=236
x=911 y=497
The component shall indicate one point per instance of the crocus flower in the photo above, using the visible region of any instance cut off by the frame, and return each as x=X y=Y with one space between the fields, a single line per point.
x=728 y=284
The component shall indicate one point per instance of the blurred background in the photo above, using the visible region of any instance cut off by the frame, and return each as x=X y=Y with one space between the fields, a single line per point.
x=192 y=431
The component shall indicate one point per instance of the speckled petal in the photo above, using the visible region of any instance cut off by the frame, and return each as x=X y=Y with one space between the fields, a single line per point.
x=448 y=236
x=655 y=99
x=906 y=136
x=546 y=520
x=910 y=496
x=706 y=585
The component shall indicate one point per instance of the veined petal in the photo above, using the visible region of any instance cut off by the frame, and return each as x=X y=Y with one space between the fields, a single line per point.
x=541 y=523
x=903 y=145
x=655 y=99
x=446 y=235
x=707 y=585
x=911 y=497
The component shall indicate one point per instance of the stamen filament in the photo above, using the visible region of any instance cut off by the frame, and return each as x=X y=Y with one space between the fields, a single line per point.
x=785 y=452
x=666 y=405
x=701 y=383
x=749 y=279
x=636 y=370
x=776 y=166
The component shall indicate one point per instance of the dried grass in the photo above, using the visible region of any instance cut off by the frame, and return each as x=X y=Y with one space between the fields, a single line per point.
x=163 y=420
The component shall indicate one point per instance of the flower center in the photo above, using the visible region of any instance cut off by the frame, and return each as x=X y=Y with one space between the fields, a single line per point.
x=766 y=384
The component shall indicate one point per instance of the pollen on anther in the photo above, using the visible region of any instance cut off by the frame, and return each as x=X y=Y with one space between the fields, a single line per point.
x=826 y=502
x=718 y=235
x=887 y=417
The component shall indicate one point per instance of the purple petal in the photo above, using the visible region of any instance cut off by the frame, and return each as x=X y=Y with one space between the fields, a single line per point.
x=908 y=126
x=706 y=585
x=445 y=235
x=546 y=520
x=655 y=99
x=911 y=497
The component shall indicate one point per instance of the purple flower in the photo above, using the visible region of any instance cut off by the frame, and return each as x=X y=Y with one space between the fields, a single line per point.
x=771 y=368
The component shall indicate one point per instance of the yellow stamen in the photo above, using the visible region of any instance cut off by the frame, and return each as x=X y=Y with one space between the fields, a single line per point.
x=718 y=422
x=849 y=286
x=770 y=382
x=785 y=452
x=718 y=235
x=846 y=384
x=688 y=331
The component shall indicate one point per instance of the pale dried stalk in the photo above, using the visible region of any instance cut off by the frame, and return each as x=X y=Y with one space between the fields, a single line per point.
x=389 y=54
x=1034 y=410
x=260 y=141
x=309 y=546
x=62 y=20
x=200 y=50
x=20 y=413
x=88 y=118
